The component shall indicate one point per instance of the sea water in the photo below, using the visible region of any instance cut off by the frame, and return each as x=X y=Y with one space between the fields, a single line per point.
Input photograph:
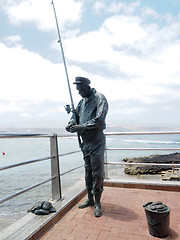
x=24 y=149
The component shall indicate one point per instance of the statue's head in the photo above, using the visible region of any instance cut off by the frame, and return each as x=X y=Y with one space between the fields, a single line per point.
x=82 y=85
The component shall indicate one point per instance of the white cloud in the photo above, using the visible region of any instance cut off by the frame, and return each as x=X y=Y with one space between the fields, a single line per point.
x=51 y=112
x=142 y=51
x=40 y=12
x=149 y=12
x=122 y=6
x=124 y=30
x=118 y=31
x=99 y=6
x=13 y=40
x=7 y=108
x=115 y=7
x=128 y=110
x=25 y=115
x=26 y=75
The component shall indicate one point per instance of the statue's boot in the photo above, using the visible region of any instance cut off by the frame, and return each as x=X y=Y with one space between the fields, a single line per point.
x=97 y=211
x=89 y=202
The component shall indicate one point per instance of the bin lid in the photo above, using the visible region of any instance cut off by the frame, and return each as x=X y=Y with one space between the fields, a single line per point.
x=157 y=206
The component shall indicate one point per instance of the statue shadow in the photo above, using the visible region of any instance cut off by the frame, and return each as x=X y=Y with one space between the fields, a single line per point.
x=119 y=212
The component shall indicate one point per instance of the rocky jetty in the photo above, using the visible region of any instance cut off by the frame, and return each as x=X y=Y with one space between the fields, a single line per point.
x=150 y=169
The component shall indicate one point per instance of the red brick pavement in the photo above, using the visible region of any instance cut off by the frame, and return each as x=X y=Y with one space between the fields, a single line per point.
x=123 y=217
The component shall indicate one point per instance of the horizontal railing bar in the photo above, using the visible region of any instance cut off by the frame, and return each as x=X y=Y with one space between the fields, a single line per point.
x=153 y=164
x=68 y=153
x=25 y=163
x=34 y=161
x=67 y=135
x=141 y=133
x=70 y=170
x=24 y=135
x=25 y=190
x=173 y=149
x=33 y=135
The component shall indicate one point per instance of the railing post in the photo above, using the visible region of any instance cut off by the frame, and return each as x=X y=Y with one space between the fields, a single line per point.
x=55 y=168
x=106 y=166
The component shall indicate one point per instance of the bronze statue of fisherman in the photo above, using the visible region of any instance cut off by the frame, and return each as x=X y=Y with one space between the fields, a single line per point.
x=91 y=112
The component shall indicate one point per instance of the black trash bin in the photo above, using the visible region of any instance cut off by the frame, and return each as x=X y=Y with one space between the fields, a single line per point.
x=158 y=217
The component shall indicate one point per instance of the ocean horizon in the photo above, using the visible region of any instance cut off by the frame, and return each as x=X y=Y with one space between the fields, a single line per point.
x=109 y=128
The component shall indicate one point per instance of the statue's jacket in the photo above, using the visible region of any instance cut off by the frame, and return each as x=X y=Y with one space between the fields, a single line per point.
x=91 y=113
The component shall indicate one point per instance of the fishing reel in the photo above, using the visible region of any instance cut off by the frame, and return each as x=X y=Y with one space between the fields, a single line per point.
x=67 y=108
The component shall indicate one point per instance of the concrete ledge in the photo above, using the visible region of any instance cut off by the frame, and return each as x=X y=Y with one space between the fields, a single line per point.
x=164 y=186
x=31 y=226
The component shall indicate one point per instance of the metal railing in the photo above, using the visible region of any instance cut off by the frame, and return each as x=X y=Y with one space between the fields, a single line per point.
x=55 y=168
x=139 y=149
x=54 y=157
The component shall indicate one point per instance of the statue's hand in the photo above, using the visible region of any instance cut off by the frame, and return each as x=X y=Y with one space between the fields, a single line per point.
x=76 y=128
x=67 y=128
x=70 y=124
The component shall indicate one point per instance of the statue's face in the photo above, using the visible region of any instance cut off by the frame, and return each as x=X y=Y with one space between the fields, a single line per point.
x=83 y=90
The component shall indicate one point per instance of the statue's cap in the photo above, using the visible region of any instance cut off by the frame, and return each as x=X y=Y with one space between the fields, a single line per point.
x=80 y=80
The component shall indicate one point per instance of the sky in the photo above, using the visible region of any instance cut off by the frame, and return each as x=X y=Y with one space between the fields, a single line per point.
x=130 y=50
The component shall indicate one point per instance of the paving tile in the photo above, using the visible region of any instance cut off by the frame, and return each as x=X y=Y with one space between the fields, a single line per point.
x=115 y=231
x=93 y=237
x=49 y=238
x=84 y=234
x=125 y=228
x=113 y=238
x=104 y=235
x=80 y=238
x=144 y=237
x=55 y=232
x=133 y=237
x=80 y=226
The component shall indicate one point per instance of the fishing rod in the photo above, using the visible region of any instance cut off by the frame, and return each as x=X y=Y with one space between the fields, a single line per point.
x=67 y=107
